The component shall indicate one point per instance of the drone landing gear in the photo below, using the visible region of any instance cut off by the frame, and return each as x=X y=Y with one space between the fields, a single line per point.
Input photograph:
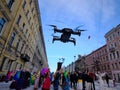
x=55 y=38
x=73 y=41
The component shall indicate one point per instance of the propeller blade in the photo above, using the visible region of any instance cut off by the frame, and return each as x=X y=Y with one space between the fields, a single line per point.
x=78 y=27
x=82 y=30
x=52 y=25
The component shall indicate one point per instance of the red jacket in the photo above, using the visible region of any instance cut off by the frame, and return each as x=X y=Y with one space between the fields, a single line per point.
x=46 y=83
x=92 y=75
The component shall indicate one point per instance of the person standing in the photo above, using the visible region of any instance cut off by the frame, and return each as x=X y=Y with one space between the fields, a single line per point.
x=107 y=79
x=66 y=85
x=20 y=81
x=71 y=79
x=92 y=76
x=36 y=83
x=100 y=80
x=57 y=76
x=46 y=83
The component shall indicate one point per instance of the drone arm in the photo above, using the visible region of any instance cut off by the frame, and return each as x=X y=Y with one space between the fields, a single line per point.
x=55 y=38
x=57 y=30
x=77 y=33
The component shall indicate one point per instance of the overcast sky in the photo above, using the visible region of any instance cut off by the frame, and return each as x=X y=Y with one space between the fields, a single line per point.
x=95 y=16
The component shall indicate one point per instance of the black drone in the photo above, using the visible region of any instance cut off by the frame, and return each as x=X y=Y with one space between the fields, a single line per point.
x=66 y=34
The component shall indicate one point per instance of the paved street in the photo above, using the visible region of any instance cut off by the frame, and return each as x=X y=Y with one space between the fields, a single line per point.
x=5 y=86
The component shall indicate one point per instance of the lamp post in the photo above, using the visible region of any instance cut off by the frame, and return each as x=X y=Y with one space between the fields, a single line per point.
x=74 y=63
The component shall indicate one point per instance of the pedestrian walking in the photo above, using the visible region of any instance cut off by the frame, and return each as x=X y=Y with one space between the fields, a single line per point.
x=16 y=77
x=75 y=79
x=27 y=79
x=114 y=84
x=36 y=83
x=107 y=79
x=92 y=76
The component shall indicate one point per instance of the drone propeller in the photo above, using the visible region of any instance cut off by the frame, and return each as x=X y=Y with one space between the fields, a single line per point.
x=53 y=26
x=78 y=27
x=81 y=30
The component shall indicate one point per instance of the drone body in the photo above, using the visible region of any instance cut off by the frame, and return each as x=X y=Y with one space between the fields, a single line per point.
x=66 y=35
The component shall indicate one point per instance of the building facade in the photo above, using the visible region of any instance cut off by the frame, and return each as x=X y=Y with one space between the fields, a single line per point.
x=113 y=47
x=98 y=60
x=20 y=32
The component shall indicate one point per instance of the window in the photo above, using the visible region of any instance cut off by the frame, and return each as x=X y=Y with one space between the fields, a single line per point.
x=30 y=2
x=114 y=55
x=2 y=64
x=116 y=65
x=111 y=56
x=117 y=54
x=29 y=20
x=24 y=3
x=106 y=58
x=32 y=10
x=110 y=38
x=18 y=20
x=17 y=45
x=115 y=44
x=118 y=33
x=112 y=66
x=10 y=3
x=2 y=22
x=28 y=35
x=22 y=47
x=22 y=27
x=108 y=67
x=111 y=45
x=107 y=39
x=27 y=13
x=12 y=38
x=26 y=31
x=113 y=35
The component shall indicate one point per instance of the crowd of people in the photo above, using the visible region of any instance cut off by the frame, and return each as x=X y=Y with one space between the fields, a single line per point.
x=45 y=78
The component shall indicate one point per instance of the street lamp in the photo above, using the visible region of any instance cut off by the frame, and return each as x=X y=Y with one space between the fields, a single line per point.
x=74 y=63
x=74 y=58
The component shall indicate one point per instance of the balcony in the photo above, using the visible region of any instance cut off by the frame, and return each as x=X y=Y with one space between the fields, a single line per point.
x=112 y=49
x=25 y=57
